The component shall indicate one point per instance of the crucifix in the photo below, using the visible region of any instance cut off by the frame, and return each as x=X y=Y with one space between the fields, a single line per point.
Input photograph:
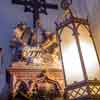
x=36 y=7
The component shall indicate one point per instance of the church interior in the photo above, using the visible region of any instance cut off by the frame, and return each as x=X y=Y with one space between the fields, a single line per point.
x=49 y=50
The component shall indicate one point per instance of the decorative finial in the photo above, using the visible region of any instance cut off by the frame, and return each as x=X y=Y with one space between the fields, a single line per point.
x=65 y=4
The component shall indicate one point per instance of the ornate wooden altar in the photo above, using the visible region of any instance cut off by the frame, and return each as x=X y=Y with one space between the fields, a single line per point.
x=21 y=71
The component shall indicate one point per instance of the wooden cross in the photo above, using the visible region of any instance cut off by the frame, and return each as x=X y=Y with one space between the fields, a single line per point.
x=35 y=7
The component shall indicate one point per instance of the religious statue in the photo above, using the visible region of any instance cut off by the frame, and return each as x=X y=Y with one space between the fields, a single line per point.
x=30 y=44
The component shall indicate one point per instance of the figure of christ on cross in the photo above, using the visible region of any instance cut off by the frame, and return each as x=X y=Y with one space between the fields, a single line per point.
x=36 y=7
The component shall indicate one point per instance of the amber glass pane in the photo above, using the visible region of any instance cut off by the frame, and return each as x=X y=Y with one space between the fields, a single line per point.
x=71 y=58
x=89 y=54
